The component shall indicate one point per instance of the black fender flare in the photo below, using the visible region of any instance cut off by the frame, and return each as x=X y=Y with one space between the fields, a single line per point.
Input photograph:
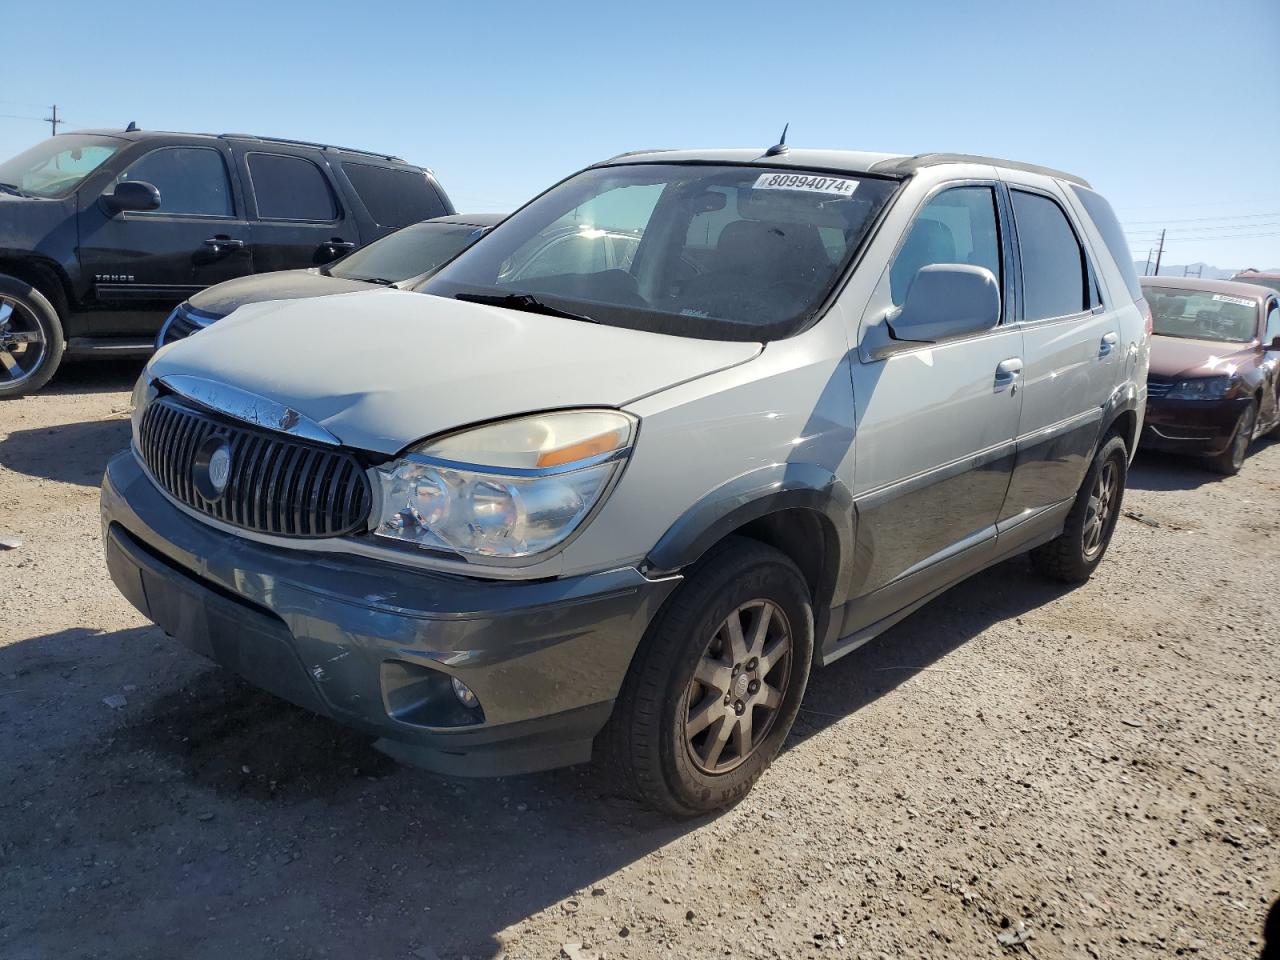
x=753 y=496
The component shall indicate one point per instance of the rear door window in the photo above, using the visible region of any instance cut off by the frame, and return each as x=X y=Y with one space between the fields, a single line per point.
x=191 y=180
x=1104 y=218
x=394 y=198
x=290 y=188
x=1056 y=280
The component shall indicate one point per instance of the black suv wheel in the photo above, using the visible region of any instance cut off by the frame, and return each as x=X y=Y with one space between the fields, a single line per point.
x=717 y=683
x=31 y=341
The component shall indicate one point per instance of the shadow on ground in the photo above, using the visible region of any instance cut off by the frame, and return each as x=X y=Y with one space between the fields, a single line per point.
x=96 y=375
x=1154 y=470
x=70 y=453
x=259 y=797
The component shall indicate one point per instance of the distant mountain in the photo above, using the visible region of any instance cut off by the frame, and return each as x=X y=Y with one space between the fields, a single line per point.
x=1205 y=270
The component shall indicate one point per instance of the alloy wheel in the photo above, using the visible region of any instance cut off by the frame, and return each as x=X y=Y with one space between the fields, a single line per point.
x=738 y=686
x=22 y=342
x=1102 y=501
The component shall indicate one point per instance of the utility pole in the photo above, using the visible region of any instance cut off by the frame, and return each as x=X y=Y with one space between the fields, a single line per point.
x=1159 y=253
x=1146 y=271
x=53 y=121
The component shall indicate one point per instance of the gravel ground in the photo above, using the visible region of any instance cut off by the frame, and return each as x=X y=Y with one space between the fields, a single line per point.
x=1018 y=769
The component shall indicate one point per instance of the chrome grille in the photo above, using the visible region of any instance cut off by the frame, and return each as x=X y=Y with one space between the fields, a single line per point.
x=179 y=326
x=275 y=484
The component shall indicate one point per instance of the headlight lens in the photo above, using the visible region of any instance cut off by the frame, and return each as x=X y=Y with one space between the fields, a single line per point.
x=1202 y=388
x=143 y=391
x=507 y=490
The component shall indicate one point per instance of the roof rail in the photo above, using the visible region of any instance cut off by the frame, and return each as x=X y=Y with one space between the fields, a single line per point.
x=909 y=165
x=636 y=153
x=309 y=143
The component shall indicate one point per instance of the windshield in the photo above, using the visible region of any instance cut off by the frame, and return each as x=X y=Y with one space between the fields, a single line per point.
x=717 y=252
x=1200 y=315
x=409 y=252
x=56 y=166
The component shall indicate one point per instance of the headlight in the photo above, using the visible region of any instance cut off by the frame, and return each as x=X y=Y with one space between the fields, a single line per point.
x=143 y=392
x=507 y=490
x=1203 y=388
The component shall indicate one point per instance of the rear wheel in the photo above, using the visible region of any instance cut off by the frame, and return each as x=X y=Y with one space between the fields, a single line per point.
x=31 y=341
x=717 y=684
x=1232 y=459
x=1078 y=550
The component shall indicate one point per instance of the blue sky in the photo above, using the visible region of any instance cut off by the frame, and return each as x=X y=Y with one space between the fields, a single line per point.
x=1171 y=109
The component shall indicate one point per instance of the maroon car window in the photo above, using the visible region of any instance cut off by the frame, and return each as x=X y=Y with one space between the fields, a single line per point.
x=1202 y=315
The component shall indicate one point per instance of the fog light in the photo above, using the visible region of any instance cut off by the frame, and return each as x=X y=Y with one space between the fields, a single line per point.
x=464 y=694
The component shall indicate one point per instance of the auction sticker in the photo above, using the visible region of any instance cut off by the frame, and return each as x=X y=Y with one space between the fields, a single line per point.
x=1240 y=301
x=810 y=183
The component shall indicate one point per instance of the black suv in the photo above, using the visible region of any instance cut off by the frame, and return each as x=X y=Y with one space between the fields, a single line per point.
x=103 y=232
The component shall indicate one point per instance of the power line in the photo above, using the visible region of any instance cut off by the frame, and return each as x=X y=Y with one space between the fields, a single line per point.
x=1210 y=229
x=1234 y=216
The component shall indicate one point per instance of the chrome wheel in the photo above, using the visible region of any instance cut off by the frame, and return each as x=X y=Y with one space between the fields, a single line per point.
x=737 y=687
x=1244 y=436
x=1102 y=500
x=22 y=342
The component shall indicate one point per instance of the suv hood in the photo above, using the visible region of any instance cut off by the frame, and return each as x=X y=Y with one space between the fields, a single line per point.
x=1179 y=357
x=222 y=298
x=381 y=369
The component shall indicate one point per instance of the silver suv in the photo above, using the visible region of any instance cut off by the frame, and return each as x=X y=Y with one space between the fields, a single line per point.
x=681 y=427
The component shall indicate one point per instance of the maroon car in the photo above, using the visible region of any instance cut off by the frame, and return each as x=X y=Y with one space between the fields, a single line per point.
x=1261 y=278
x=1215 y=361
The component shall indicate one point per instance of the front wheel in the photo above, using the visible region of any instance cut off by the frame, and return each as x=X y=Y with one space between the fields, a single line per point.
x=31 y=341
x=1076 y=552
x=1232 y=459
x=717 y=683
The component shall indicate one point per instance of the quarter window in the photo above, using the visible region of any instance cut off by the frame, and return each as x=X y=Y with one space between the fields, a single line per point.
x=394 y=198
x=957 y=226
x=290 y=188
x=1273 y=324
x=1056 y=280
x=191 y=180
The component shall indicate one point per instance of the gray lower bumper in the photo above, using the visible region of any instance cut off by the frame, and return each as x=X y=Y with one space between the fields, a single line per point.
x=373 y=645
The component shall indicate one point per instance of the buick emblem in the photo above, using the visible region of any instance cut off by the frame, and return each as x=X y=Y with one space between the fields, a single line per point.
x=211 y=468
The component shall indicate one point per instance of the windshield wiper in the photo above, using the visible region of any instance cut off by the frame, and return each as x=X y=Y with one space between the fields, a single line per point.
x=522 y=301
x=12 y=188
x=380 y=281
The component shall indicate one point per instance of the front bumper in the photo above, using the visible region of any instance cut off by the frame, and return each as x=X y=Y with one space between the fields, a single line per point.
x=1201 y=427
x=373 y=645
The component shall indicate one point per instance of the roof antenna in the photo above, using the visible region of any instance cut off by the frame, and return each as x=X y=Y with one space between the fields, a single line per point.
x=779 y=148
x=132 y=127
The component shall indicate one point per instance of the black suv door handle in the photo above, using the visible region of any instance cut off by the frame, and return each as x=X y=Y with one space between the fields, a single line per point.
x=221 y=244
x=337 y=243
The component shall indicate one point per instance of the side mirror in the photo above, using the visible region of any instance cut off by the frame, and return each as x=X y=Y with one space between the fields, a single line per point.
x=947 y=300
x=1274 y=344
x=133 y=195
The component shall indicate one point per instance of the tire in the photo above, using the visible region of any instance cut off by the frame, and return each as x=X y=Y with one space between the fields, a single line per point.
x=648 y=740
x=31 y=340
x=1075 y=553
x=1229 y=462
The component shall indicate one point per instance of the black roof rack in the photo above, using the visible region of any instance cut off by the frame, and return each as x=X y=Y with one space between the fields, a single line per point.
x=909 y=165
x=308 y=143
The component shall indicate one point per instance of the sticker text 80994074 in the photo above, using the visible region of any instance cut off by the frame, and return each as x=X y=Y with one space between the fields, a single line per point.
x=811 y=183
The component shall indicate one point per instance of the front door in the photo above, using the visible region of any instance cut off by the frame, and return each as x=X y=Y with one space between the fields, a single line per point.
x=935 y=422
x=1073 y=356
x=298 y=219
x=145 y=262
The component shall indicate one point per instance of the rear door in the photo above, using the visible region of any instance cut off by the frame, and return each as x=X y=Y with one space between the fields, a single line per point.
x=1073 y=351
x=154 y=259
x=296 y=215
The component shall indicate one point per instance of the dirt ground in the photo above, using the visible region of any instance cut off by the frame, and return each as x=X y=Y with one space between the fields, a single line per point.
x=1019 y=769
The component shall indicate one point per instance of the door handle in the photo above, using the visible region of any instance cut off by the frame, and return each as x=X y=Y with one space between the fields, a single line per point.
x=1109 y=340
x=1007 y=373
x=337 y=243
x=221 y=244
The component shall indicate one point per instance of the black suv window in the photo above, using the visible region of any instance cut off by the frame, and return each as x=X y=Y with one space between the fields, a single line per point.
x=394 y=198
x=191 y=180
x=290 y=188
x=1056 y=281
x=956 y=226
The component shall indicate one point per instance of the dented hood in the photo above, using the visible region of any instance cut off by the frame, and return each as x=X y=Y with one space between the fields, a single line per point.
x=381 y=369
